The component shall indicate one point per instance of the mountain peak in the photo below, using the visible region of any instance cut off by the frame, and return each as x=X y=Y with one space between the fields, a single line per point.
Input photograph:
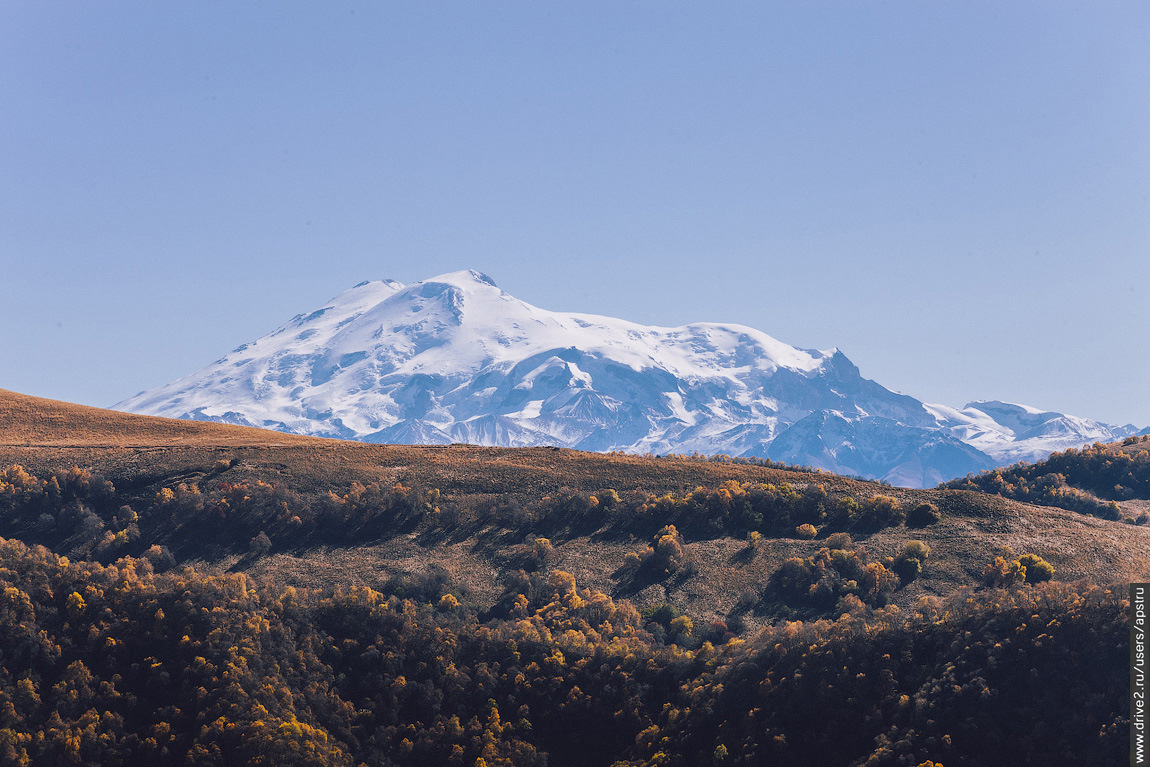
x=466 y=278
x=455 y=359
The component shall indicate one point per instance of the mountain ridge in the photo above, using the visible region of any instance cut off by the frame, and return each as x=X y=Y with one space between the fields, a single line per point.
x=456 y=359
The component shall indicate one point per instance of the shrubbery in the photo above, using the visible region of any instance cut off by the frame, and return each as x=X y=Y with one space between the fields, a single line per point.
x=120 y=663
x=113 y=664
x=1088 y=480
x=663 y=557
x=1029 y=568
x=922 y=515
x=83 y=515
x=819 y=582
x=908 y=564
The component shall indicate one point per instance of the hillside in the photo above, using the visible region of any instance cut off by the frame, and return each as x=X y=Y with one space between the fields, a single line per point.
x=1111 y=481
x=498 y=498
x=180 y=591
x=44 y=423
x=47 y=434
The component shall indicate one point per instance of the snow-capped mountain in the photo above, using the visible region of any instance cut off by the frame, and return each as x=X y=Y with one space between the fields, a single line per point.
x=1009 y=433
x=456 y=359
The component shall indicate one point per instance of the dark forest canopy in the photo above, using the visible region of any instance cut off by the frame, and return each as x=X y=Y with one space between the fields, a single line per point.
x=113 y=650
x=113 y=664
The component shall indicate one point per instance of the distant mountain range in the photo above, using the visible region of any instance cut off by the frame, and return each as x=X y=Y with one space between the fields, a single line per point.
x=456 y=359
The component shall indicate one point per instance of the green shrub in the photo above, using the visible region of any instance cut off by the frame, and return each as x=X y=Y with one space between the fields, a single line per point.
x=664 y=614
x=1029 y=568
x=806 y=531
x=879 y=512
x=794 y=577
x=839 y=541
x=681 y=627
x=922 y=515
x=908 y=564
x=608 y=499
x=1037 y=568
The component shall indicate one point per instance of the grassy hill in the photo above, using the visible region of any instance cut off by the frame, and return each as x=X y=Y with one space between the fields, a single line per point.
x=44 y=434
x=659 y=582
x=491 y=503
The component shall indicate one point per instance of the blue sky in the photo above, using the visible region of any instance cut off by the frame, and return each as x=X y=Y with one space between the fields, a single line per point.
x=957 y=195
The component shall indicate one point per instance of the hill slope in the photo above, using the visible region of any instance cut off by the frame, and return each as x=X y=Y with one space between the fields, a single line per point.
x=494 y=500
x=1111 y=481
x=369 y=604
x=46 y=435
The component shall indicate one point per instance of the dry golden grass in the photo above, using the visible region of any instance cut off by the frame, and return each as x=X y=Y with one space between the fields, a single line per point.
x=35 y=421
x=46 y=435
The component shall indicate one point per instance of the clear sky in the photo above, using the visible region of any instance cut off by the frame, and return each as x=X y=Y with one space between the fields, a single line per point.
x=956 y=194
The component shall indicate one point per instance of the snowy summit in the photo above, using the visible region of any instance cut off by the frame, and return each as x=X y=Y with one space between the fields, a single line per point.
x=456 y=359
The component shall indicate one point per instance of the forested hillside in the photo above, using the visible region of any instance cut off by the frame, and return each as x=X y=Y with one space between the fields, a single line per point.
x=208 y=597
x=1094 y=480
x=116 y=665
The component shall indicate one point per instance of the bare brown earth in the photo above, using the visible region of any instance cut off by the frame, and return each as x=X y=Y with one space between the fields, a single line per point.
x=147 y=453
